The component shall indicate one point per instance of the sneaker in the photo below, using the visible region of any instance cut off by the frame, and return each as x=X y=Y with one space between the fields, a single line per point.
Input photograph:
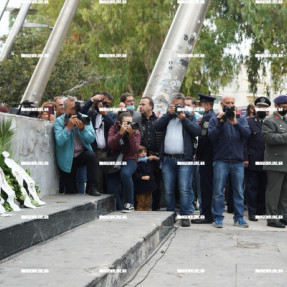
x=128 y=207
x=185 y=223
x=241 y=223
x=218 y=223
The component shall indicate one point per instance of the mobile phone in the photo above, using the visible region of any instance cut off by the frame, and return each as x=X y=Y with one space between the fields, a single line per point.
x=51 y=111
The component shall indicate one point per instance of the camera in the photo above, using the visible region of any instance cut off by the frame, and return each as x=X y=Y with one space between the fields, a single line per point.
x=84 y=119
x=229 y=113
x=178 y=109
x=26 y=108
x=134 y=125
x=104 y=103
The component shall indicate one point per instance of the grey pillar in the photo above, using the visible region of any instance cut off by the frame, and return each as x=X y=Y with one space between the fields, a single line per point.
x=14 y=31
x=4 y=8
x=171 y=65
x=45 y=66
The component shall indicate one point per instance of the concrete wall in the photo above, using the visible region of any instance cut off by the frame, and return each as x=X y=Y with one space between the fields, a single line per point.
x=34 y=141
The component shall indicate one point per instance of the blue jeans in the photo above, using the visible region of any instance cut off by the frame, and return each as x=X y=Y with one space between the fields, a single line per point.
x=221 y=170
x=170 y=170
x=122 y=183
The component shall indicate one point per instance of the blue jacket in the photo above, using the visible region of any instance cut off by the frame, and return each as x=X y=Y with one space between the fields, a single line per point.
x=65 y=142
x=109 y=119
x=190 y=129
x=228 y=140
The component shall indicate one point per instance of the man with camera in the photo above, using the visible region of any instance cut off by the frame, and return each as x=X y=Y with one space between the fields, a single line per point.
x=178 y=129
x=73 y=147
x=102 y=120
x=228 y=132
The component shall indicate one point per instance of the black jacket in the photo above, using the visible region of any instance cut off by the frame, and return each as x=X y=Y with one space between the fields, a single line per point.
x=108 y=120
x=144 y=186
x=153 y=133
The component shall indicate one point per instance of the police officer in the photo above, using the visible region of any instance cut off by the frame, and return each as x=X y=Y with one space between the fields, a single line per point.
x=205 y=154
x=275 y=134
x=255 y=176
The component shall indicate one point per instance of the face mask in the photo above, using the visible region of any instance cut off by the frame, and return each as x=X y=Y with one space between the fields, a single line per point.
x=282 y=113
x=200 y=110
x=144 y=159
x=188 y=109
x=261 y=114
x=130 y=108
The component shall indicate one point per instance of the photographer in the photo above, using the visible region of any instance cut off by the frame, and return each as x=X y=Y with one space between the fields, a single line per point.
x=101 y=121
x=126 y=140
x=228 y=132
x=73 y=148
x=178 y=129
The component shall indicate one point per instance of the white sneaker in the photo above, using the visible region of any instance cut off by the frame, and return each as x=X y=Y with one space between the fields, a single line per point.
x=128 y=207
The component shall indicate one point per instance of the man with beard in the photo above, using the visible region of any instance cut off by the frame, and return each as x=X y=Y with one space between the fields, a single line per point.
x=255 y=176
x=275 y=134
x=102 y=121
x=151 y=140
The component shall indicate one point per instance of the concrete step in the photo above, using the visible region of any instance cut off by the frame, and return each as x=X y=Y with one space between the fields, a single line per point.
x=103 y=252
x=61 y=213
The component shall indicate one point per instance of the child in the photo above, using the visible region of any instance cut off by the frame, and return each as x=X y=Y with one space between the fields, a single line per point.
x=144 y=180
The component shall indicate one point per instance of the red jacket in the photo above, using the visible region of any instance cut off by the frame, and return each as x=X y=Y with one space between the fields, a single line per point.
x=114 y=138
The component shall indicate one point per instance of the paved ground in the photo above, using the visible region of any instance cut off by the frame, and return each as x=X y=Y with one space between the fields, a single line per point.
x=232 y=256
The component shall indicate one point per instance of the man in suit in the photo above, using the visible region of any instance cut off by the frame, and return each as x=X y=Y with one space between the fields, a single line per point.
x=275 y=135
x=255 y=176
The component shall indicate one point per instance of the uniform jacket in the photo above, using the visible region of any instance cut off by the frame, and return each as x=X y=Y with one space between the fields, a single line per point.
x=190 y=129
x=109 y=119
x=144 y=186
x=228 y=140
x=132 y=143
x=275 y=134
x=255 y=145
x=65 y=142
x=205 y=146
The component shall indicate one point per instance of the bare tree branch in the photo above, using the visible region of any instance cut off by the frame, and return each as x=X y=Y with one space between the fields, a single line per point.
x=94 y=79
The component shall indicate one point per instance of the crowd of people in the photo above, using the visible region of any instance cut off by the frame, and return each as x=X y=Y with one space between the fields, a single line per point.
x=188 y=154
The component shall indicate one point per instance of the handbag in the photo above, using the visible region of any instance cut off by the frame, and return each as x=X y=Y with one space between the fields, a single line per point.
x=111 y=164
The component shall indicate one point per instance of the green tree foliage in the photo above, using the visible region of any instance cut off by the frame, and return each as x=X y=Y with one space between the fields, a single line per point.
x=138 y=29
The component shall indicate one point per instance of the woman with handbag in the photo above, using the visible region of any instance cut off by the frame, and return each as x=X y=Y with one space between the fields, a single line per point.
x=123 y=140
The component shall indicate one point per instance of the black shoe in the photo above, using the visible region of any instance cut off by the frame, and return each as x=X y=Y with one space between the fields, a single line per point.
x=283 y=221
x=201 y=221
x=185 y=223
x=128 y=207
x=94 y=192
x=276 y=223
x=252 y=217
